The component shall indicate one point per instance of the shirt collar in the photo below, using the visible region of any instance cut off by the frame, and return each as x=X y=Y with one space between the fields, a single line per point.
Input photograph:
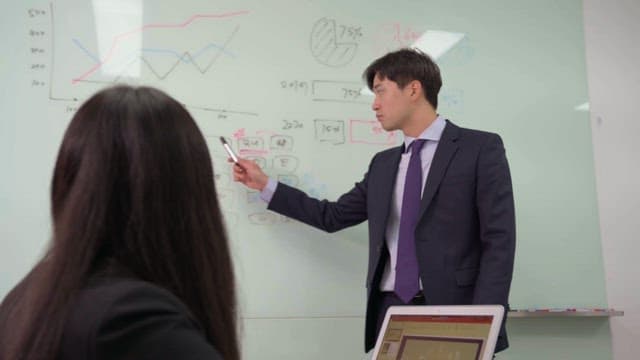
x=433 y=132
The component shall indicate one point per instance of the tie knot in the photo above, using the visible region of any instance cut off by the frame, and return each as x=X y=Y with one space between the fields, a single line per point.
x=416 y=145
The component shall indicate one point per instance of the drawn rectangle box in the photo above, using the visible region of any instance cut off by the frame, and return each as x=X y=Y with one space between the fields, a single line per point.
x=338 y=91
x=251 y=147
x=250 y=144
x=285 y=163
x=370 y=132
x=281 y=142
x=331 y=131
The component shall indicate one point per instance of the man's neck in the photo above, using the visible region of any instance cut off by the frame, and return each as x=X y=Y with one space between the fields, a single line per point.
x=421 y=120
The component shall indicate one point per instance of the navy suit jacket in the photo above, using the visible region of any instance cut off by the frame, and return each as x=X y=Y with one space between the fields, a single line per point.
x=465 y=235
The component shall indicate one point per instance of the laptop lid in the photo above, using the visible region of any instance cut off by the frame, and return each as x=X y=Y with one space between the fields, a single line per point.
x=466 y=332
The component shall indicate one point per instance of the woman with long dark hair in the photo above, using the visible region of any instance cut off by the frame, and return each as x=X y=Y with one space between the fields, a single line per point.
x=139 y=265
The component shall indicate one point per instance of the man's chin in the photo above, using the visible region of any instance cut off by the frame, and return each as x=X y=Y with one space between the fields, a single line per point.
x=387 y=127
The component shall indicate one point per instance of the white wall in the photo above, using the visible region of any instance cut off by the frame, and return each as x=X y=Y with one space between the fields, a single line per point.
x=612 y=32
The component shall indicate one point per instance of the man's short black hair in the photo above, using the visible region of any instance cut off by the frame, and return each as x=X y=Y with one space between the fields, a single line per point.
x=405 y=65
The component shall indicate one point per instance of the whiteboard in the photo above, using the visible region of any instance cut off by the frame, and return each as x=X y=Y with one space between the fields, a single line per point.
x=281 y=80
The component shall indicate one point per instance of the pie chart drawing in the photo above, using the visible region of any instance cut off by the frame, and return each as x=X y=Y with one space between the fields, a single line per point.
x=325 y=46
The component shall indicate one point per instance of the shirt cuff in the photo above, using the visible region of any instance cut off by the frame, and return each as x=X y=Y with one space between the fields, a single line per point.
x=267 y=193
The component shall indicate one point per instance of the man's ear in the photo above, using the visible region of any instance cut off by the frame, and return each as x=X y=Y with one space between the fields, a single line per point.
x=416 y=88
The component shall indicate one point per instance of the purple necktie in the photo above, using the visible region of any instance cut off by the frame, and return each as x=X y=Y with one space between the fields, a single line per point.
x=407 y=285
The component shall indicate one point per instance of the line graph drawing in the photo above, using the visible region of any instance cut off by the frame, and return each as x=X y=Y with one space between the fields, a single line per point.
x=186 y=57
x=176 y=58
x=123 y=36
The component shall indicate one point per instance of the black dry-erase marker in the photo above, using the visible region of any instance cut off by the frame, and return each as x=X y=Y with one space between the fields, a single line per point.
x=226 y=146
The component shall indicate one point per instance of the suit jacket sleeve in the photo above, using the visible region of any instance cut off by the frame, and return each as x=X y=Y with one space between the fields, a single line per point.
x=145 y=322
x=496 y=215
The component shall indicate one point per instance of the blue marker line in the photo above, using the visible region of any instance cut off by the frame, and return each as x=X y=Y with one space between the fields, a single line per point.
x=78 y=44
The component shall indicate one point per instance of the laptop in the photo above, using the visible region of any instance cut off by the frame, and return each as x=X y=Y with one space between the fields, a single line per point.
x=466 y=332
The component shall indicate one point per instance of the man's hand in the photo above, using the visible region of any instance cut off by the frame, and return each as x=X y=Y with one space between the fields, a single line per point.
x=250 y=174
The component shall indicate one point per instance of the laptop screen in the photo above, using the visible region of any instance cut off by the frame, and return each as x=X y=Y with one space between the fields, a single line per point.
x=435 y=337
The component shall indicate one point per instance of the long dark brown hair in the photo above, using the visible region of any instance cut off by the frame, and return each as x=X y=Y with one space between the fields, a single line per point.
x=134 y=183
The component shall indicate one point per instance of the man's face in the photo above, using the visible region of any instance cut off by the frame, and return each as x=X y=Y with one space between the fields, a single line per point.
x=391 y=104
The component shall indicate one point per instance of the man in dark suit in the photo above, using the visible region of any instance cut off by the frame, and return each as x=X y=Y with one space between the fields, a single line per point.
x=440 y=207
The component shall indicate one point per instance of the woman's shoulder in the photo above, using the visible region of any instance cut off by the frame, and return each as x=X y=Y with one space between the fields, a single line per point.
x=117 y=294
x=124 y=317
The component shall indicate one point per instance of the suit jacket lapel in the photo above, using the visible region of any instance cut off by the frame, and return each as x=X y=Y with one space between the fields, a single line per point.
x=447 y=147
x=386 y=186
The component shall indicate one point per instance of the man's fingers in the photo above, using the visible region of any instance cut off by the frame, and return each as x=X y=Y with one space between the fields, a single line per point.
x=238 y=168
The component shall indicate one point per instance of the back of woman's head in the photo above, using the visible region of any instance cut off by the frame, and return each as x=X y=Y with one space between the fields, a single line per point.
x=134 y=183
